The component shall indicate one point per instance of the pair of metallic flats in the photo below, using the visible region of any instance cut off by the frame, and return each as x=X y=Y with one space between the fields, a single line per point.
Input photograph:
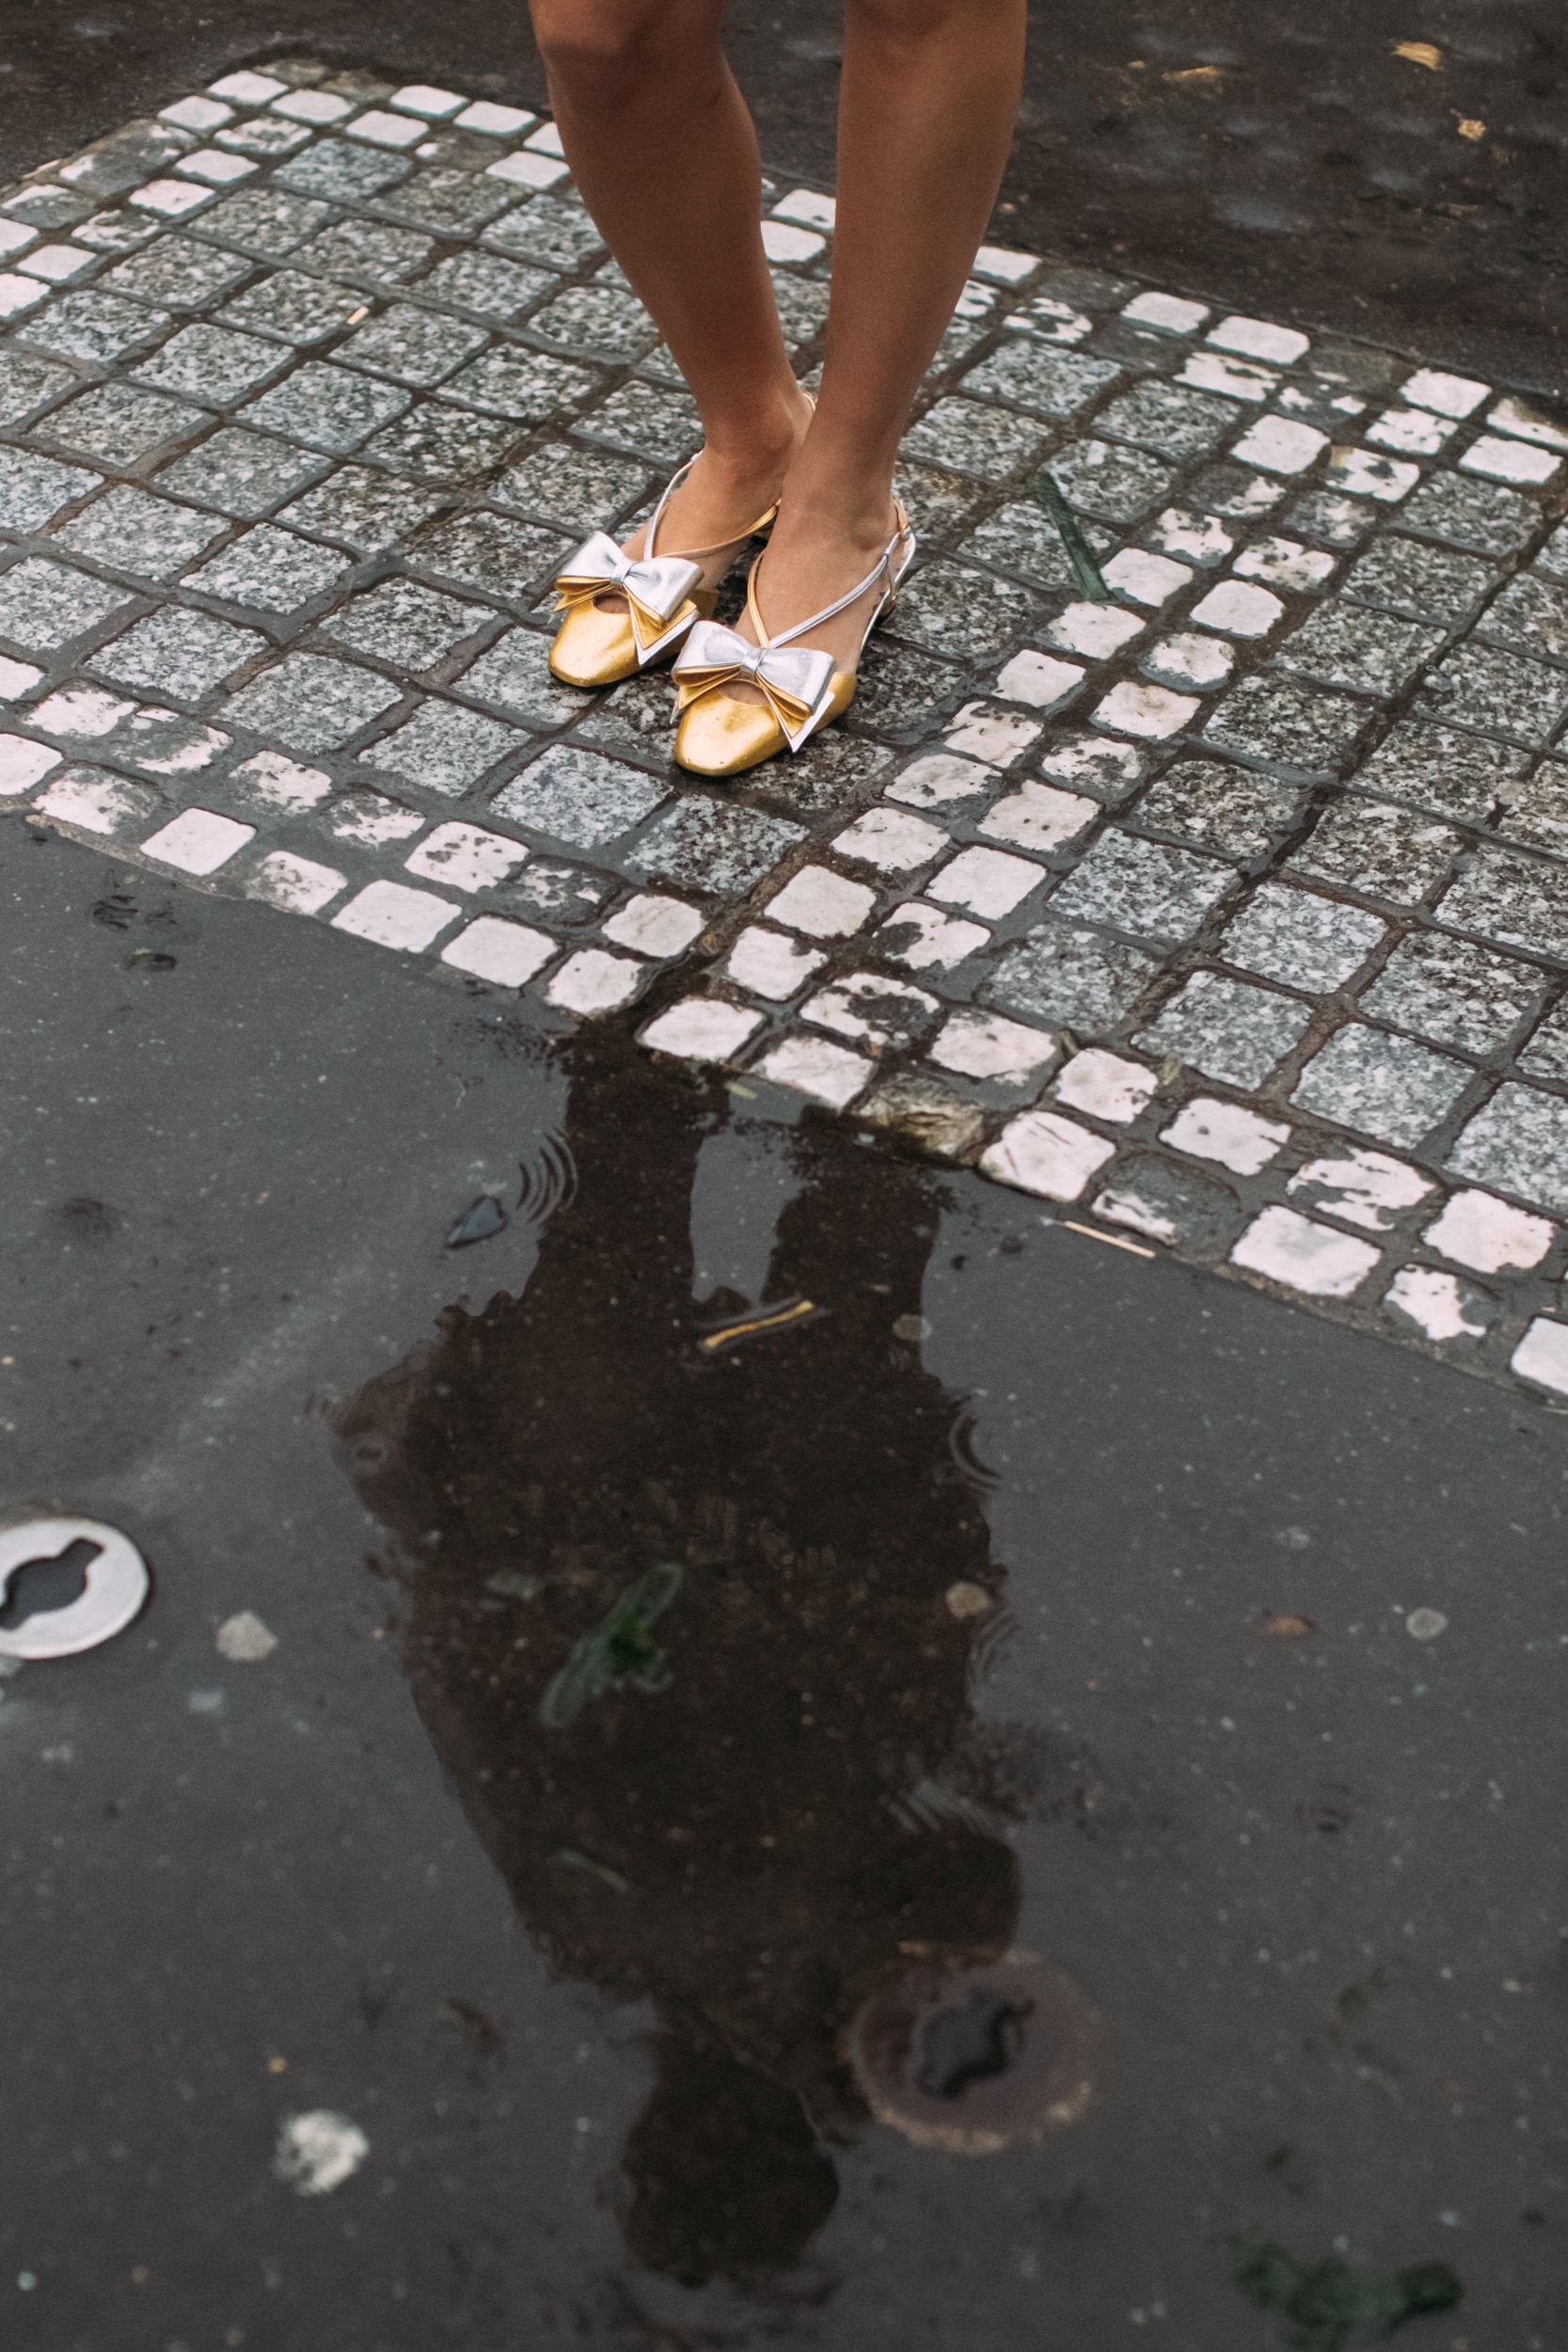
x=666 y=607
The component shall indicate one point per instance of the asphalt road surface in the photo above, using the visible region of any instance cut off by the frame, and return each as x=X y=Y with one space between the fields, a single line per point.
x=1070 y=1617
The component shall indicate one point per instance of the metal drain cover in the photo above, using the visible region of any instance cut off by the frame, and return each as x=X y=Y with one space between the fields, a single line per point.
x=116 y=1588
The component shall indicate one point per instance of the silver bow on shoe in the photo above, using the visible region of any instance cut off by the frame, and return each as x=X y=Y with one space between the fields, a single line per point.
x=795 y=681
x=655 y=586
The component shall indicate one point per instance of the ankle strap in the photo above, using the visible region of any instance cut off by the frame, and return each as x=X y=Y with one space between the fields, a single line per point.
x=828 y=611
x=752 y=528
x=694 y=554
x=664 y=497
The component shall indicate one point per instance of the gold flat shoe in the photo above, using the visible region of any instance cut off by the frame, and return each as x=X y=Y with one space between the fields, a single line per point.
x=661 y=597
x=802 y=689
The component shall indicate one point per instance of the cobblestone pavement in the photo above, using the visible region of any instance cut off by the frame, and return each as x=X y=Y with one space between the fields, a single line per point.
x=1230 y=917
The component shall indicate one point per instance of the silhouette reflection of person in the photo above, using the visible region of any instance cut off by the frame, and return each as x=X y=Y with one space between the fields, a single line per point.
x=738 y=1847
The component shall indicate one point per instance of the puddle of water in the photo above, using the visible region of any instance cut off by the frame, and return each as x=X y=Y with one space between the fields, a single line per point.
x=720 y=1816
x=784 y=1801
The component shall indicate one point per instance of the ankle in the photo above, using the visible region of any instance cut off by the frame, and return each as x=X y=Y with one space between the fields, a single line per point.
x=860 y=516
x=767 y=440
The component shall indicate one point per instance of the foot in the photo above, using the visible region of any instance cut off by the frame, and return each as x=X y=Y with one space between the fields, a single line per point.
x=811 y=560
x=720 y=498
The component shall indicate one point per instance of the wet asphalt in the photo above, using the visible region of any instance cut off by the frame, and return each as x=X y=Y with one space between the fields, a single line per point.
x=1034 y=1598
x=1028 y=1887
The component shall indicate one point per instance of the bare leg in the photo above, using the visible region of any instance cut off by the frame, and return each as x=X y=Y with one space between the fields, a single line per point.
x=926 y=116
x=663 y=149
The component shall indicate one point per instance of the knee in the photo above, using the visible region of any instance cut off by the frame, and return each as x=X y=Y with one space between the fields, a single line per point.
x=598 y=53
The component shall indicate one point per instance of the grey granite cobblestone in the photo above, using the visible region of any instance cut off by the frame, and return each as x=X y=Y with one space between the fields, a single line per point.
x=531 y=387
x=514 y=676
x=27 y=383
x=1529 y=616
x=495 y=553
x=443 y=749
x=443 y=445
x=1341 y=645
x=1060 y=974
x=1453 y=991
x=1519 y=901
x=452 y=204
x=1460 y=776
x=362 y=508
x=577 y=489
x=340 y=173
x=406 y=626
x=130 y=530
x=412 y=346
x=1536 y=811
x=1053 y=383
x=950 y=608
x=1023 y=539
x=578 y=797
x=975 y=440
x=1331 y=518
x=485 y=285
x=291 y=307
x=44 y=606
x=1387 y=1087
x=1499 y=693
x=1143 y=887
x=1300 y=939
x=1232 y=811
x=1227 y=1029
x=311 y=703
x=1285 y=725
x=1170 y=420
x=1115 y=486
x=1468 y=514
x=242 y=473
x=598 y=323
x=1547 y=1054
x=177 y=652
x=369 y=253
x=559 y=236
x=1380 y=850
x=179 y=274
x=269 y=222
x=116 y=424
x=268 y=571
x=34 y=488
x=325 y=407
x=340 y=426
x=1519 y=1142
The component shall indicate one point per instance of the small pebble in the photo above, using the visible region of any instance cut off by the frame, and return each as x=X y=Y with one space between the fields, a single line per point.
x=244 y=1640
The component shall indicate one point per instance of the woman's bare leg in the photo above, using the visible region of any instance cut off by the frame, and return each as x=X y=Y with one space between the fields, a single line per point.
x=926 y=117
x=664 y=153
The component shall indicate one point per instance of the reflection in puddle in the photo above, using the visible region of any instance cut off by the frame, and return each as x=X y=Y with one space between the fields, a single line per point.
x=739 y=1816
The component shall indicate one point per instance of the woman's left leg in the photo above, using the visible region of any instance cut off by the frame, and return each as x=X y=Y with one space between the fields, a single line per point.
x=926 y=106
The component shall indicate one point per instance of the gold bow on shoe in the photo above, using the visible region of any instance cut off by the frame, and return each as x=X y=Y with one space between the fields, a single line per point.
x=655 y=586
x=795 y=681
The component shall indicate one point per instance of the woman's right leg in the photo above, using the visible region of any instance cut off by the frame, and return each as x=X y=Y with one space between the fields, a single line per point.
x=663 y=151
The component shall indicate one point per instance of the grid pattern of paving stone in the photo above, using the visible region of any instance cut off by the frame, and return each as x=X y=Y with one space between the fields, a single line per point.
x=1229 y=917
